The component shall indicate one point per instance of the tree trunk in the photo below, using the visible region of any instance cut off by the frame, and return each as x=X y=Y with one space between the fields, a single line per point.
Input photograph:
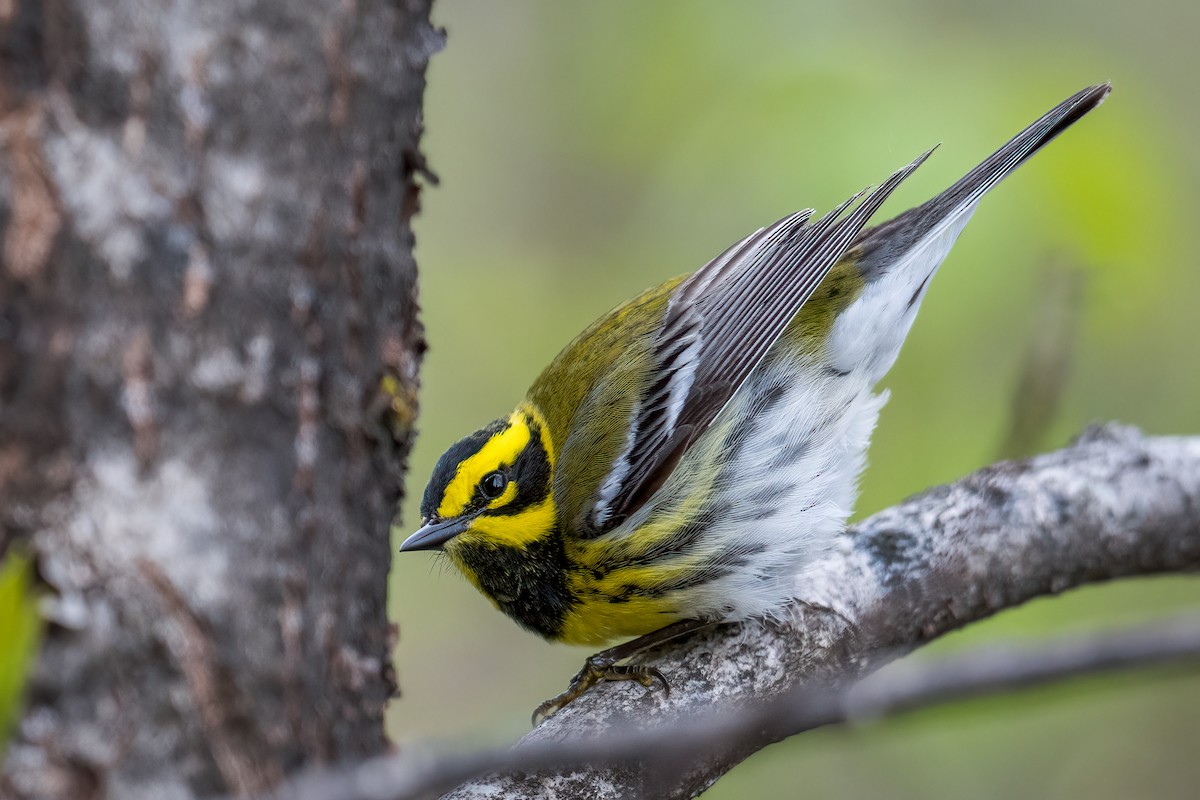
x=208 y=360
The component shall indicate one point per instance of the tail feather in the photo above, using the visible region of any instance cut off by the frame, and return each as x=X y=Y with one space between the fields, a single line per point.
x=1003 y=162
x=898 y=258
x=881 y=246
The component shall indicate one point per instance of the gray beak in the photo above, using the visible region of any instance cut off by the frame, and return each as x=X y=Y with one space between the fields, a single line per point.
x=435 y=534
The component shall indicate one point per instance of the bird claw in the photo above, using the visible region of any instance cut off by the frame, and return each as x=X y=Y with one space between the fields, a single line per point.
x=598 y=669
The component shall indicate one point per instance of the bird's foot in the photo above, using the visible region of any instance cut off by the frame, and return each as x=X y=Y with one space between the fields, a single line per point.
x=597 y=669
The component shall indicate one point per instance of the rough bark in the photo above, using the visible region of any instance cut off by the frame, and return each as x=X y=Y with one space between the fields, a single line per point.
x=1114 y=504
x=208 y=356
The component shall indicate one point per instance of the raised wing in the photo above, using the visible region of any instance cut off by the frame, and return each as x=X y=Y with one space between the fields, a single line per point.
x=717 y=327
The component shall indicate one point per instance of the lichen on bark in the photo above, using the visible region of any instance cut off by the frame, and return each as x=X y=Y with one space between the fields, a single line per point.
x=208 y=361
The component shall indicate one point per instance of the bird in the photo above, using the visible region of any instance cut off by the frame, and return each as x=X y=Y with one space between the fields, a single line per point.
x=688 y=456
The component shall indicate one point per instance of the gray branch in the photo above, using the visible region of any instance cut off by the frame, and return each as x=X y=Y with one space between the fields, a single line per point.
x=1114 y=504
x=1111 y=505
x=986 y=670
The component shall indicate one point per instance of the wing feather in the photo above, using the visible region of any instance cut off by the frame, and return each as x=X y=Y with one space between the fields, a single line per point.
x=717 y=327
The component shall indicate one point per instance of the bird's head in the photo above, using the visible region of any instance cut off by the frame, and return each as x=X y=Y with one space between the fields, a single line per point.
x=492 y=489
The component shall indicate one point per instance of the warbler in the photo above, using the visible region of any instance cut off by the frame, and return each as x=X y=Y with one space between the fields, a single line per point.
x=696 y=449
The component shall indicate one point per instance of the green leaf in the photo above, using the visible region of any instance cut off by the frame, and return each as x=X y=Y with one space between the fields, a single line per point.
x=20 y=629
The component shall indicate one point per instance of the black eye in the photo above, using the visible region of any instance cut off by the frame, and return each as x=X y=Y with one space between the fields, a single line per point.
x=492 y=485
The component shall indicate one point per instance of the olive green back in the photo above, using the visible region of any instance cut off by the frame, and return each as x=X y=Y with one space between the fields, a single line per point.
x=588 y=392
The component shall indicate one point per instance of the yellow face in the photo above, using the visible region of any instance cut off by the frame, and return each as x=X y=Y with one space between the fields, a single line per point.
x=490 y=506
x=492 y=488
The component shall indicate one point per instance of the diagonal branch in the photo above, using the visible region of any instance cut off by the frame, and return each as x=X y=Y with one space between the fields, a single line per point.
x=984 y=671
x=1113 y=504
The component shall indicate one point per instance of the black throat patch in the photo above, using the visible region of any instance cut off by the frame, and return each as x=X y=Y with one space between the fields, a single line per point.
x=528 y=583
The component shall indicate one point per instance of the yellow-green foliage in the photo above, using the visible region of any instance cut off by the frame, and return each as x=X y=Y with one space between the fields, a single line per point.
x=19 y=631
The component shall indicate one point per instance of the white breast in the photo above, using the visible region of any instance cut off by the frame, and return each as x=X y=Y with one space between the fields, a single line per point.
x=792 y=443
x=791 y=484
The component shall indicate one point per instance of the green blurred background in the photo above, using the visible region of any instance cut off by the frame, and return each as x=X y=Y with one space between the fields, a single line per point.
x=588 y=151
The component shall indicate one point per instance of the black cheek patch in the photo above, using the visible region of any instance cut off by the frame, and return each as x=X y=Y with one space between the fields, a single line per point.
x=531 y=474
